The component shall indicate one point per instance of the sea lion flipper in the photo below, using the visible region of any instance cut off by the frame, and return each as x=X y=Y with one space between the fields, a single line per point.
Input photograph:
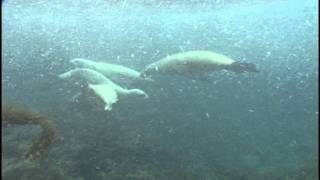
x=107 y=93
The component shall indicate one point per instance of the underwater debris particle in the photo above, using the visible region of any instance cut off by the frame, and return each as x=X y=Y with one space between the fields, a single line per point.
x=171 y=131
x=268 y=53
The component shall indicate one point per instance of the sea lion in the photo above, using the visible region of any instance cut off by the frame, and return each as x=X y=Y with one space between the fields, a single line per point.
x=103 y=87
x=113 y=71
x=196 y=62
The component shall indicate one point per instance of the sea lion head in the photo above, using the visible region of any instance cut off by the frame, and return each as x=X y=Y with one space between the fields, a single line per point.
x=65 y=75
x=84 y=63
x=240 y=67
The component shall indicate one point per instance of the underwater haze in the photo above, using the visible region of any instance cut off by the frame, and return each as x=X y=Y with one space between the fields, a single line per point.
x=220 y=126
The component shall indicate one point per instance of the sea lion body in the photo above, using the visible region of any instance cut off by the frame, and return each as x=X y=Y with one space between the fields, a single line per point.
x=91 y=76
x=103 y=87
x=193 y=62
x=113 y=71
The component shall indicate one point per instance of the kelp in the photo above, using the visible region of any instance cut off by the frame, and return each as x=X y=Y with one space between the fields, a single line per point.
x=18 y=116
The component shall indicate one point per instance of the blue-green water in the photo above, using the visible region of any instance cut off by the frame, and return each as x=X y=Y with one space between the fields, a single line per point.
x=226 y=126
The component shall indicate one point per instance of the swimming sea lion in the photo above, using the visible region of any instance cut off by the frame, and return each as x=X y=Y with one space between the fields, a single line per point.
x=195 y=62
x=103 y=87
x=113 y=71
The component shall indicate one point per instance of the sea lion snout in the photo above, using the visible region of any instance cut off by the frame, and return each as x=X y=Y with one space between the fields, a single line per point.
x=64 y=76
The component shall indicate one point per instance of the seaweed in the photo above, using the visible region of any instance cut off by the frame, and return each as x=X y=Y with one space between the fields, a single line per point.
x=17 y=116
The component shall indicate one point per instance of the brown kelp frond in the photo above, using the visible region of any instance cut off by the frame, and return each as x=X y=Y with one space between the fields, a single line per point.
x=15 y=115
